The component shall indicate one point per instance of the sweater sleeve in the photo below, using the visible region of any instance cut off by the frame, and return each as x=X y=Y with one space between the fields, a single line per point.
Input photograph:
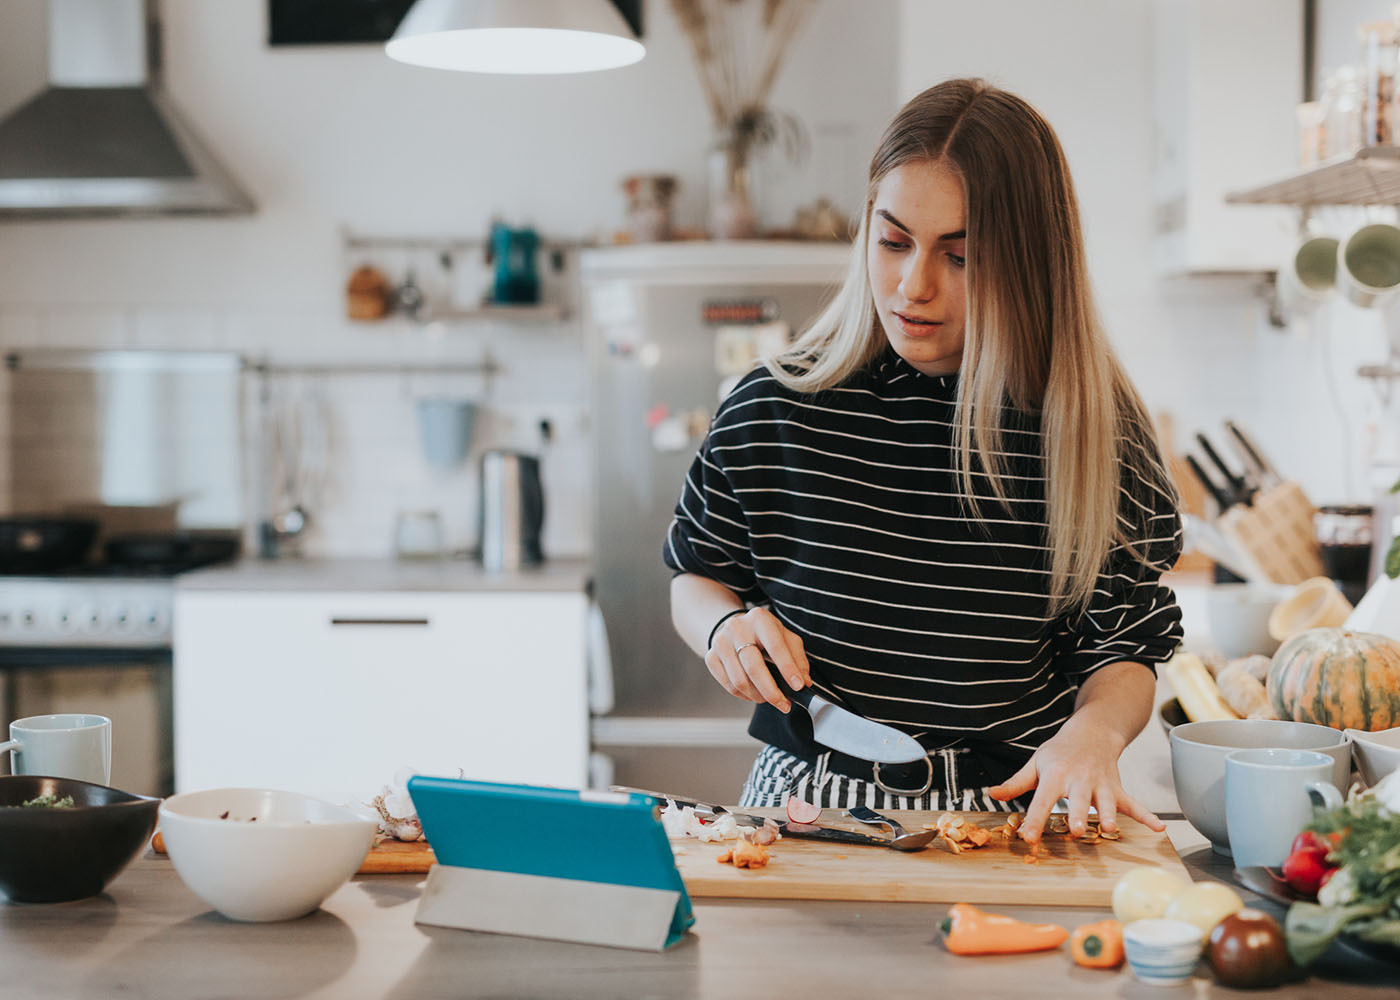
x=709 y=533
x=1132 y=615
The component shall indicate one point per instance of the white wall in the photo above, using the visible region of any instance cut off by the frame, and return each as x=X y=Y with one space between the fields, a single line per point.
x=328 y=137
x=1201 y=348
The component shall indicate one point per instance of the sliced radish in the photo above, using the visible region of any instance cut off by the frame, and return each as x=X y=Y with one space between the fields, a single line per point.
x=801 y=811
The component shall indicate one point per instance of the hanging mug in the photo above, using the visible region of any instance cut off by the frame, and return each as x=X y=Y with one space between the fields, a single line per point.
x=1309 y=276
x=1368 y=264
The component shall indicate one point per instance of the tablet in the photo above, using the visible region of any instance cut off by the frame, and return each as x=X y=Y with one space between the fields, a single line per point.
x=587 y=836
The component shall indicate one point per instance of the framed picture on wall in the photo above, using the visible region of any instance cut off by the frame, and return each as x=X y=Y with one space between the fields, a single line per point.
x=349 y=22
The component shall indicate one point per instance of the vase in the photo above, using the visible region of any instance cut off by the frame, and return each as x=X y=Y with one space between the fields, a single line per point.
x=731 y=211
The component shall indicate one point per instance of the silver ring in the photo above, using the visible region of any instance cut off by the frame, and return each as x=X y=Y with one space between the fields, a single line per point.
x=928 y=783
x=740 y=649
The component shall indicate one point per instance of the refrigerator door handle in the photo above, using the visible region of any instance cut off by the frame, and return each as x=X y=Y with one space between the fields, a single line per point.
x=600 y=671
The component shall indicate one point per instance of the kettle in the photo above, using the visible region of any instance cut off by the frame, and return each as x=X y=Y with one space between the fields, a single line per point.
x=510 y=514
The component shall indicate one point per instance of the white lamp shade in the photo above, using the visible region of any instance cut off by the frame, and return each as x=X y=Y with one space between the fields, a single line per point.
x=515 y=36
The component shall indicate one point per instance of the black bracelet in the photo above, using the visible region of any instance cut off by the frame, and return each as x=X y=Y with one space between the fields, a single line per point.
x=723 y=619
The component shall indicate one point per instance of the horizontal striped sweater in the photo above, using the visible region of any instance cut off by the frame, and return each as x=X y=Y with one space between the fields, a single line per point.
x=840 y=512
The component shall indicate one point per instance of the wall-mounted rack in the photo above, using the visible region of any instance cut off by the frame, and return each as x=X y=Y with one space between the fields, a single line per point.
x=445 y=250
x=1370 y=177
x=487 y=367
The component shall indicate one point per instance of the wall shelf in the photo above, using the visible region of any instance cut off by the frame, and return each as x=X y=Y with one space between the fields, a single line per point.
x=1371 y=177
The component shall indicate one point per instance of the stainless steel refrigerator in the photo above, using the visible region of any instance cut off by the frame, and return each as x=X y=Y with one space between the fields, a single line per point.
x=670 y=327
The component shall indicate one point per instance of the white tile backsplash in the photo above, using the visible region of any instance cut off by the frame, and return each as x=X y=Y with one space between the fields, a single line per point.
x=375 y=467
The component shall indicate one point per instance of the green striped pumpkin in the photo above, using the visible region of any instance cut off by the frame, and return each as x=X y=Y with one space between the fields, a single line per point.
x=1339 y=678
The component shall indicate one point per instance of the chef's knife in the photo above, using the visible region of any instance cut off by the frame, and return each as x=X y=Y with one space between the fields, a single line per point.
x=1217 y=494
x=843 y=730
x=1268 y=475
x=1239 y=489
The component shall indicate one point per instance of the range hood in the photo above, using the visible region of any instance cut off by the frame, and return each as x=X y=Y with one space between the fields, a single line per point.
x=103 y=139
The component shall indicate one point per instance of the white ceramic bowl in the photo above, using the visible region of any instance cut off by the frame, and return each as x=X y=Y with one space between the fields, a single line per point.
x=256 y=854
x=1377 y=754
x=1162 y=952
x=1199 y=749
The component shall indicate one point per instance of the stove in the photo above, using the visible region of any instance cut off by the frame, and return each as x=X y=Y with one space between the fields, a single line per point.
x=99 y=611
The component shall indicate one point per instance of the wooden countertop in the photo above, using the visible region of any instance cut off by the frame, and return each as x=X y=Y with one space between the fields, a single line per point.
x=148 y=936
x=351 y=575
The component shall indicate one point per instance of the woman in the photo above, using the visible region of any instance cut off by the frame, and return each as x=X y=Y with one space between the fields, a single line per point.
x=943 y=507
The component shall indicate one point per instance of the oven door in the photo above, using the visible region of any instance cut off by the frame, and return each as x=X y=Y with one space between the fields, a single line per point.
x=129 y=686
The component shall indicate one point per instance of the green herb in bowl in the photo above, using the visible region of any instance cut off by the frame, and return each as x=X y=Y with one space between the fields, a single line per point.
x=49 y=802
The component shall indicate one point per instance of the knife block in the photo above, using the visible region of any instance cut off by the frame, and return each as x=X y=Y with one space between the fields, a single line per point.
x=1277 y=532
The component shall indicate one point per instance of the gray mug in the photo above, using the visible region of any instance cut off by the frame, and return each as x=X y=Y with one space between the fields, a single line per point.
x=1269 y=798
x=62 y=746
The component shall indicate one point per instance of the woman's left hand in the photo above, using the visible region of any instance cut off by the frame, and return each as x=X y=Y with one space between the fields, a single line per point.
x=1080 y=762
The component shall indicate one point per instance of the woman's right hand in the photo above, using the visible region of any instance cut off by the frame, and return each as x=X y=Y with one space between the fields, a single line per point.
x=743 y=643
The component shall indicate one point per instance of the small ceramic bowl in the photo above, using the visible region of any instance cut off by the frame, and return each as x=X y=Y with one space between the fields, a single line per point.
x=1162 y=952
x=258 y=854
x=1377 y=754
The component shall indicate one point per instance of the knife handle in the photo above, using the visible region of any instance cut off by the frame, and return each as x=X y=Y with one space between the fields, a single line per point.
x=802 y=697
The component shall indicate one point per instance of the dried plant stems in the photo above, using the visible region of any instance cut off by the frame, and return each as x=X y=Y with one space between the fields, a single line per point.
x=738 y=56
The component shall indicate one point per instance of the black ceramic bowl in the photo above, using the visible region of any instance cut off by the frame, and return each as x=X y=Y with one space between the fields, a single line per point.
x=51 y=855
x=1170 y=715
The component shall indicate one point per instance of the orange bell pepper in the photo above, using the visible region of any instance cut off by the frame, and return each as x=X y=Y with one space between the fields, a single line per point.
x=970 y=931
x=1098 y=945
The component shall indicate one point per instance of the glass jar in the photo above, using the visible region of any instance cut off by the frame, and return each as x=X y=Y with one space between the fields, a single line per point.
x=1380 y=59
x=1312 y=134
x=1344 y=533
x=1341 y=110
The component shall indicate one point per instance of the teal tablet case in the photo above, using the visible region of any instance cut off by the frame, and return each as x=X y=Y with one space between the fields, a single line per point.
x=581 y=837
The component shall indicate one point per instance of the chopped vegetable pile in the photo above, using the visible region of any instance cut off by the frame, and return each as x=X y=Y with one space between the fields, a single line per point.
x=50 y=802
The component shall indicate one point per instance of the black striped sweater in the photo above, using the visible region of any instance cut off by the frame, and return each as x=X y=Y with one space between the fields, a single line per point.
x=840 y=512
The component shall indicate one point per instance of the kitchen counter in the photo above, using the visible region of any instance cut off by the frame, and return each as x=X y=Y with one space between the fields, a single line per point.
x=148 y=936
x=383 y=575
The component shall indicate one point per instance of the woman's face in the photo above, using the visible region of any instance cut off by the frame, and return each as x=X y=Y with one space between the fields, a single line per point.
x=916 y=260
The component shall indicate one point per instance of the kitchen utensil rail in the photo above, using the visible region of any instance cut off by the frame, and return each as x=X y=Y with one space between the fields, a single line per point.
x=486 y=366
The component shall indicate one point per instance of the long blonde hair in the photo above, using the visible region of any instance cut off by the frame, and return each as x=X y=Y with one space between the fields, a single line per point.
x=1034 y=340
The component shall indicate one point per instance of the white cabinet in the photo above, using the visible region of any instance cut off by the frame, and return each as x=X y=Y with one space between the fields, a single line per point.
x=1227 y=81
x=331 y=693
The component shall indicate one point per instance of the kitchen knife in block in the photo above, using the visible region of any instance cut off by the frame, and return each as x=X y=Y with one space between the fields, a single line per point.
x=585 y=866
x=843 y=730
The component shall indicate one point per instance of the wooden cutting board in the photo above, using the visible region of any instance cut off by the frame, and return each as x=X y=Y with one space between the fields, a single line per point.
x=391 y=857
x=1069 y=873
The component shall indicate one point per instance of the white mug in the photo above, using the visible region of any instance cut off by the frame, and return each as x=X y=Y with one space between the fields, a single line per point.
x=1368 y=264
x=1269 y=797
x=62 y=746
x=1309 y=276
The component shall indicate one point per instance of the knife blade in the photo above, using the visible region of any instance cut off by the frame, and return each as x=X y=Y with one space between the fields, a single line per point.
x=852 y=734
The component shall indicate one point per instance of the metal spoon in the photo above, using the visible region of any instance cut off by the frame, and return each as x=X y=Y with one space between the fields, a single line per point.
x=903 y=839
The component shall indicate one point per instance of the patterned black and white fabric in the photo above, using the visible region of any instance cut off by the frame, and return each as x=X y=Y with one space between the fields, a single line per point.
x=840 y=511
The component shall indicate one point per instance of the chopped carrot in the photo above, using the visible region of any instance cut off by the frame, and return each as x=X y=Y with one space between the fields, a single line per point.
x=745 y=855
x=970 y=931
x=1098 y=945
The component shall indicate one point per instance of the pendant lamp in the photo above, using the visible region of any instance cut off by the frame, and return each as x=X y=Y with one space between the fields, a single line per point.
x=515 y=36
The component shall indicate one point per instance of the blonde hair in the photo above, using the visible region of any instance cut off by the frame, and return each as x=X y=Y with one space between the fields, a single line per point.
x=1034 y=340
